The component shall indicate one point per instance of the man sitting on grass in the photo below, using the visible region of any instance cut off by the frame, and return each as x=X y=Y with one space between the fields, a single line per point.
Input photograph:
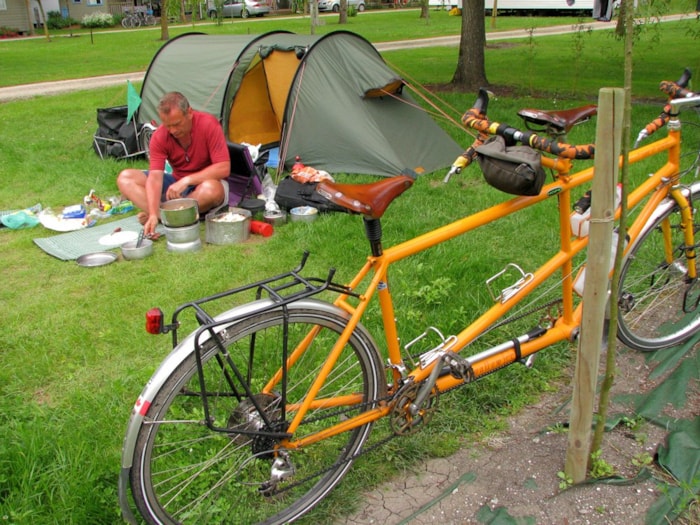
x=193 y=143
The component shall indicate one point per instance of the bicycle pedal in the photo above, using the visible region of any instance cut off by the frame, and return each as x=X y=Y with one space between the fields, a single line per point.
x=459 y=367
x=529 y=361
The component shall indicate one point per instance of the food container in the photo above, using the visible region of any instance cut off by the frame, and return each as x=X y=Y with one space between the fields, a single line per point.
x=228 y=227
x=184 y=247
x=275 y=217
x=131 y=252
x=179 y=212
x=183 y=233
x=303 y=214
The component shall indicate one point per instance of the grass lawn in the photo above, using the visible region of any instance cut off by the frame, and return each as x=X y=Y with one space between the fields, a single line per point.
x=73 y=348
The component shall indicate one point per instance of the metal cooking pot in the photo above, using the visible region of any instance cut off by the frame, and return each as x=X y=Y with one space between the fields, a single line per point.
x=183 y=247
x=229 y=227
x=130 y=251
x=183 y=233
x=179 y=212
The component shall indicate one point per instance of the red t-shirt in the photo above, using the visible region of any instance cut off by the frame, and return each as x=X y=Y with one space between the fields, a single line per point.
x=208 y=147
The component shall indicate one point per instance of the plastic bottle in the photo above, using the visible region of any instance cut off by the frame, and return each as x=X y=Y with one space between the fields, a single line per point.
x=579 y=282
x=298 y=165
x=581 y=216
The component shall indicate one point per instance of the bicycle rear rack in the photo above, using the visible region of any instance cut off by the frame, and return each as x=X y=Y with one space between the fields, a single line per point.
x=281 y=289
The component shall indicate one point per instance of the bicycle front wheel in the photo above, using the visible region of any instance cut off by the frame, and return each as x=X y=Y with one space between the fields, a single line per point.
x=183 y=472
x=657 y=302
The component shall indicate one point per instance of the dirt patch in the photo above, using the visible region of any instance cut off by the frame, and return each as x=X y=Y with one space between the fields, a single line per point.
x=512 y=478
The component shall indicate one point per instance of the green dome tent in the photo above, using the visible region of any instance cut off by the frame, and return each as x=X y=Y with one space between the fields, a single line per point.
x=330 y=100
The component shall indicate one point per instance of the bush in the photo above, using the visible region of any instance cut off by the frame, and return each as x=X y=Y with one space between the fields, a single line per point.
x=97 y=20
x=54 y=20
x=8 y=32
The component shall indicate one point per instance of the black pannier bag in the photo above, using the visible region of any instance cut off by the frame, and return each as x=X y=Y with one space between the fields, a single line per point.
x=115 y=137
x=291 y=194
x=516 y=169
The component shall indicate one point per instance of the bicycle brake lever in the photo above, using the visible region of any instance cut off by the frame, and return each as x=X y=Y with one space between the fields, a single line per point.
x=454 y=170
x=642 y=135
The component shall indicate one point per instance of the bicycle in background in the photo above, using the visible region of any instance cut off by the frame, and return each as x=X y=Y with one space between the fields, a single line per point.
x=137 y=17
x=256 y=416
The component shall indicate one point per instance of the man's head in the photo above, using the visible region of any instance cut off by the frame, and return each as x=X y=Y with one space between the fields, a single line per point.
x=175 y=114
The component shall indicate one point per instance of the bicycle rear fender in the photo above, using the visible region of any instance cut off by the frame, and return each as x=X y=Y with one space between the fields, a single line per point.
x=172 y=361
x=663 y=207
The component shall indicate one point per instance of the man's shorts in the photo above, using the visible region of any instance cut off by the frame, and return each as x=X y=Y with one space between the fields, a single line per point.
x=168 y=180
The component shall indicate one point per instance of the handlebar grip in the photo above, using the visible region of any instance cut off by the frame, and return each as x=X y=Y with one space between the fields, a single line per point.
x=685 y=78
x=482 y=101
x=674 y=90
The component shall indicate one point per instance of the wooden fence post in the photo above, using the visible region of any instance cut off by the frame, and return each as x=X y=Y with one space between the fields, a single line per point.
x=595 y=292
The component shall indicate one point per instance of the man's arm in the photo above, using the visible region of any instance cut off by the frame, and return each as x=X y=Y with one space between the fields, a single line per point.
x=154 y=188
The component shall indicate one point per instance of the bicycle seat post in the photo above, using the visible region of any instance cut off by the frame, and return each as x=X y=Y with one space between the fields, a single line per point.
x=373 y=231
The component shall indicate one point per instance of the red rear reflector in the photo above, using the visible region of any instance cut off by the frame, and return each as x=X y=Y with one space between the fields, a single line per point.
x=154 y=321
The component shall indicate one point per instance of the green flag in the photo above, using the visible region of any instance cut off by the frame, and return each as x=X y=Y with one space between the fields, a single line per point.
x=133 y=100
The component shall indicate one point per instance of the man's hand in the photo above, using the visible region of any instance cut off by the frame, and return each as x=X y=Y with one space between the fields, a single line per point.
x=149 y=227
x=176 y=189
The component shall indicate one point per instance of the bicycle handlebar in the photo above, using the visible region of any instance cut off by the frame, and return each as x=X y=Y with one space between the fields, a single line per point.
x=674 y=90
x=476 y=119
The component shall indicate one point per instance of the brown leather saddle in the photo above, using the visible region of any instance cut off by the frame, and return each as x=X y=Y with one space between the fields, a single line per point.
x=556 y=122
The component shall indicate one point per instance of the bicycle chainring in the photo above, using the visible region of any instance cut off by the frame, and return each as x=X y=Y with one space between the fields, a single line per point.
x=402 y=419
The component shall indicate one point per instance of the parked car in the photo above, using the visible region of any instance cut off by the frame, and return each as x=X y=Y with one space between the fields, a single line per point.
x=334 y=5
x=240 y=8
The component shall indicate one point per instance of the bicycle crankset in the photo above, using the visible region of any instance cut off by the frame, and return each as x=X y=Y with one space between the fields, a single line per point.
x=407 y=418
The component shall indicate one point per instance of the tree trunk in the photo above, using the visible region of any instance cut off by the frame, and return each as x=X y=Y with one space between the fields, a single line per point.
x=425 y=9
x=28 y=7
x=43 y=20
x=470 y=74
x=164 y=8
x=313 y=16
x=343 y=15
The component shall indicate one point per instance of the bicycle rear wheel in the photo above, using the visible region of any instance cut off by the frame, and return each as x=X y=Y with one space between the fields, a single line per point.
x=657 y=302
x=185 y=473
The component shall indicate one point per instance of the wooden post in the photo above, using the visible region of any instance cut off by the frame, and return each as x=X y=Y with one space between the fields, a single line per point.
x=595 y=292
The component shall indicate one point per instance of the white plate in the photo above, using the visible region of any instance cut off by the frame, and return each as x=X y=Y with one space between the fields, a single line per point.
x=118 y=238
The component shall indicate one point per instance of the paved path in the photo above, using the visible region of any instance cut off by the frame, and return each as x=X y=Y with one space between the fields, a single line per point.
x=66 y=86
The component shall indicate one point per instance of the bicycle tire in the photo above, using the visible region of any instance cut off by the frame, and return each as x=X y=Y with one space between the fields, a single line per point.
x=652 y=291
x=184 y=473
x=145 y=139
x=126 y=22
